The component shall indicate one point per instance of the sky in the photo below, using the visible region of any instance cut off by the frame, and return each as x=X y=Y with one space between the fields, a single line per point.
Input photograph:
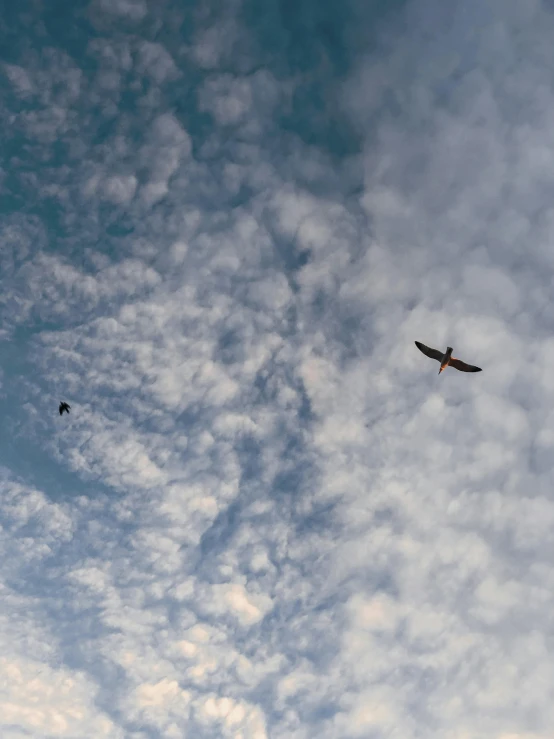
x=222 y=228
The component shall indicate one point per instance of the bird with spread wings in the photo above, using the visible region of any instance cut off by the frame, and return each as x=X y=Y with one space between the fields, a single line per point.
x=446 y=359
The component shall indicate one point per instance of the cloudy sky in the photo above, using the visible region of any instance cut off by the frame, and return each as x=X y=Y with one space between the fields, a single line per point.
x=222 y=227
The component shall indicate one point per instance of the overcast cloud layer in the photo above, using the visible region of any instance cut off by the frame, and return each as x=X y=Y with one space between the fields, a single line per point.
x=222 y=228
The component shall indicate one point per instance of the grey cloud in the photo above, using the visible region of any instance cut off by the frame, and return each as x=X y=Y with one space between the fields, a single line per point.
x=134 y=10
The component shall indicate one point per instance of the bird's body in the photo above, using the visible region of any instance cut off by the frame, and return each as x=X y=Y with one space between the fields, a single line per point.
x=446 y=359
x=64 y=407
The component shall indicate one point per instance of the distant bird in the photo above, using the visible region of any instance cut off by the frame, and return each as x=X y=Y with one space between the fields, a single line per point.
x=446 y=360
x=64 y=407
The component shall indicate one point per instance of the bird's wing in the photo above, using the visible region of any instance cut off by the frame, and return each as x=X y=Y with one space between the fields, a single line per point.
x=433 y=353
x=67 y=405
x=60 y=410
x=462 y=366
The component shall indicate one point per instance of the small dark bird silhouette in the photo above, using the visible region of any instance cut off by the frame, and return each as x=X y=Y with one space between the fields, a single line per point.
x=446 y=359
x=64 y=407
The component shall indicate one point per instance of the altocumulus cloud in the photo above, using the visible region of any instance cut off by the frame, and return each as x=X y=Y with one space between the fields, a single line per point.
x=266 y=516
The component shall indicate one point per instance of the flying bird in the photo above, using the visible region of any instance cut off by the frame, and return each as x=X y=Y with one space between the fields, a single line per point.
x=446 y=359
x=64 y=407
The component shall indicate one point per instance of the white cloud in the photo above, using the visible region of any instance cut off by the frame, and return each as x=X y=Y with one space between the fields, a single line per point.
x=120 y=189
x=215 y=43
x=48 y=702
x=169 y=146
x=19 y=79
x=266 y=515
x=156 y=62
x=248 y=610
x=233 y=100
